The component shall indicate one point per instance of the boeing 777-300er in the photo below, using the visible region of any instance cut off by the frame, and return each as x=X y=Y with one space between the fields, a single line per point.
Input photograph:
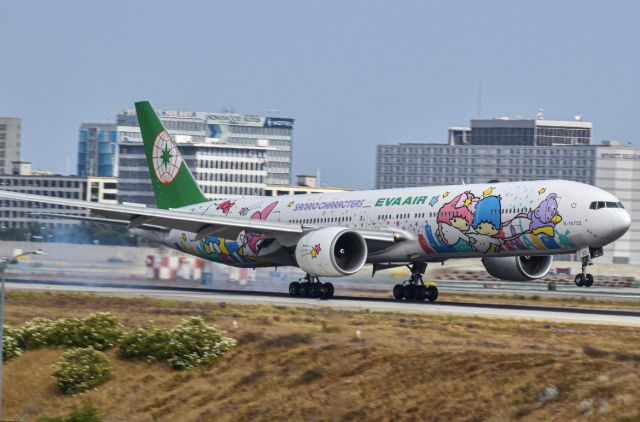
x=515 y=228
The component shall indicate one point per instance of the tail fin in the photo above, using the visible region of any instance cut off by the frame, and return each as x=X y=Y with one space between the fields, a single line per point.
x=173 y=183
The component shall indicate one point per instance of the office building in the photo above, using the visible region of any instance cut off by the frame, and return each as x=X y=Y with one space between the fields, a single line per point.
x=98 y=150
x=305 y=184
x=510 y=131
x=609 y=166
x=10 y=129
x=232 y=129
x=17 y=214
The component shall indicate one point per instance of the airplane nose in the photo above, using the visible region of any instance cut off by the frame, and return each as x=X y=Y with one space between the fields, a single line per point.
x=620 y=223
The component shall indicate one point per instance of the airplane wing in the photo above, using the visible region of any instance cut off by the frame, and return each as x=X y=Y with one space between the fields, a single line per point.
x=159 y=219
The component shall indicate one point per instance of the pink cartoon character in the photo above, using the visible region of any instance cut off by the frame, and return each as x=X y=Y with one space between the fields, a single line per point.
x=455 y=218
x=251 y=239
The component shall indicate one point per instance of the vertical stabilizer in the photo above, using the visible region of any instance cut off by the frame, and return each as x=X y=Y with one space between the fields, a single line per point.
x=173 y=184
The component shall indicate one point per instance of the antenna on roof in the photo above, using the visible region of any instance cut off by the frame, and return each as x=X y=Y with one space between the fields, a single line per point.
x=540 y=114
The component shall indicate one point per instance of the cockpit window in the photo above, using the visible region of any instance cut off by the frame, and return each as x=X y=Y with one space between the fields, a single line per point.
x=596 y=205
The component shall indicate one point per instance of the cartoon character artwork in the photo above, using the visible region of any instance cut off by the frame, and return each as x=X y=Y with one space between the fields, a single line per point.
x=487 y=225
x=455 y=218
x=241 y=252
x=225 y=206
x=476 y=223
x=545 y=217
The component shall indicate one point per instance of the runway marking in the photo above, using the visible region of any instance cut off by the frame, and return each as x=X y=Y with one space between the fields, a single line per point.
x=488 y=310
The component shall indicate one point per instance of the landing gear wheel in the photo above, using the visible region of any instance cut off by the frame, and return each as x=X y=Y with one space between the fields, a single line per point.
x=432 y=293
x=588 y=282
x=398 y=291
x=294 y=289
x=304 y=289
x=326 y=290
x=408 y=292
x=420 y=292
x=314 y=289
x=579 y=280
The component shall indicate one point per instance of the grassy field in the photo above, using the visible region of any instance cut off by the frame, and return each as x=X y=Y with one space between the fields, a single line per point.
x=321 y=364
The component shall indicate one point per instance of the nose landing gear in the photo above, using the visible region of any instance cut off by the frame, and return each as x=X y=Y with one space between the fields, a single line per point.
x=583 y=279
x=311 y=287
x=415 y=288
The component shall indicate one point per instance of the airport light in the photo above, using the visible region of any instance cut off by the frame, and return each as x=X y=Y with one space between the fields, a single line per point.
x=4 y=261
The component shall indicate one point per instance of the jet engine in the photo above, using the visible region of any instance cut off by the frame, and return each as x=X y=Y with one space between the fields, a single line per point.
x=518 y=268
x=331 y=252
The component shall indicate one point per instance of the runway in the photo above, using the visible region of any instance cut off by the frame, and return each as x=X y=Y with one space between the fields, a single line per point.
x=488 y=310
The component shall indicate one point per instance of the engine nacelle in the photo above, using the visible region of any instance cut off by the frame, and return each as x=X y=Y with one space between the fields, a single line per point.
x=331 y=252
x=518 y=268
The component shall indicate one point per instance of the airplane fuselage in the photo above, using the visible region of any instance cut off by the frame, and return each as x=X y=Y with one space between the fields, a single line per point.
x=435 y=223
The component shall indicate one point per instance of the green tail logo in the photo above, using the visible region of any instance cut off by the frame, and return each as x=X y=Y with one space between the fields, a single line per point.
x=173 y=184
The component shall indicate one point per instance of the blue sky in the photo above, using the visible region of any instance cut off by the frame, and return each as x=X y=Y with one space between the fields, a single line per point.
x=352 y=73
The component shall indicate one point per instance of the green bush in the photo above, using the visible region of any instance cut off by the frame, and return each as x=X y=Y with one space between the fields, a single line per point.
x=11 y=344
x=148 y=344
x=193 y=343
x=86 y=413
x=99 y=330
x=37 y=333
x=81 y=369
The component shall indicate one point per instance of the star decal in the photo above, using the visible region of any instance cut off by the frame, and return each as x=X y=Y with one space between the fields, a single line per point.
x=541 y=191
x=166 y=156
x=488 y=191
x=315 y=251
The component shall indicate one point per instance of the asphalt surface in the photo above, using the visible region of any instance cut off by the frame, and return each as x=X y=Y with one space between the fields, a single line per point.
x=486 y=310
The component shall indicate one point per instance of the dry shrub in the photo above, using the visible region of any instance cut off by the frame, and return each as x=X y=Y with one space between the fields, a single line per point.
x=287 y=340
x=594 y=352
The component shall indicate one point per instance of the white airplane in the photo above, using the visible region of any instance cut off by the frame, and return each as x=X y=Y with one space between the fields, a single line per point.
x=515 y=228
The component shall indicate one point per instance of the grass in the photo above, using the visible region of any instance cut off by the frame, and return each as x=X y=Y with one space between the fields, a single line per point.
x=323 y=364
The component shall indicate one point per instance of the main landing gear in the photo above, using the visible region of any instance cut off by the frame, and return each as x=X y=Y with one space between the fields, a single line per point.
x=311 y=287
x=583 y=279
x=415 y=288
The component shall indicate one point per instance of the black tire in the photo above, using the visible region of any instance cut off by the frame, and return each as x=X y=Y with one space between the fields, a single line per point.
x=407 y=291
x=420 y=292
x=326 y=291
x=294 y=289
x=432 y=293
x=304 y=289
x=579 y=280
x=588 y=282
x=398 y=291
x=315 y=289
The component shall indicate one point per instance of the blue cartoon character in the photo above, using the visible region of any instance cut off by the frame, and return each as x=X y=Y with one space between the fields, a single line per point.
x=487 y=224
x=545 y=217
